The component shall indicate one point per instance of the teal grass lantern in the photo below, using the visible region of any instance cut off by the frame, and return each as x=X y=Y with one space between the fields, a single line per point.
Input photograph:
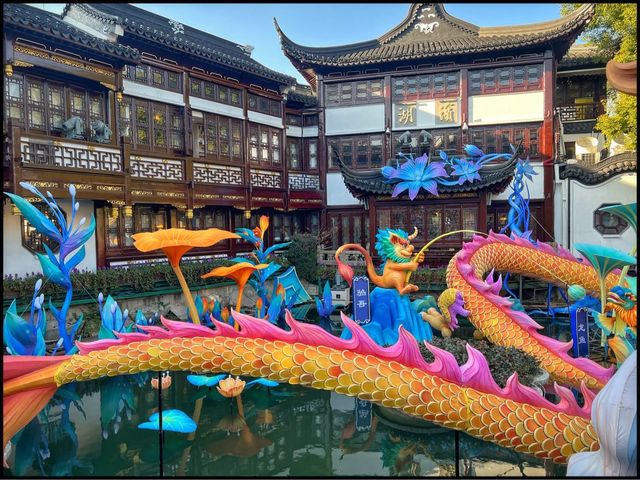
x=604 y=260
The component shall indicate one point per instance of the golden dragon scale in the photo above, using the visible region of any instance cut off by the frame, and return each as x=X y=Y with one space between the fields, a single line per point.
x=460 y=397
x=492 y=314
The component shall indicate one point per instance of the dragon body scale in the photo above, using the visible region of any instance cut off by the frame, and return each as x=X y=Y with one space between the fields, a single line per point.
x=460 y=397
x=493 y=315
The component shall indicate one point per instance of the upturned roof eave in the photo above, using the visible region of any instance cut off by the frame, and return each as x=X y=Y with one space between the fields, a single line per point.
x=371 y=182
x=540 y=33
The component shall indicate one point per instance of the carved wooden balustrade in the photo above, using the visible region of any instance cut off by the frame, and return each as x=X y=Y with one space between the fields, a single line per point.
x=587 y=111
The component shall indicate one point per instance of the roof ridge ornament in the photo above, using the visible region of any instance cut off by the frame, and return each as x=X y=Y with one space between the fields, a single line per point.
x=177 y=27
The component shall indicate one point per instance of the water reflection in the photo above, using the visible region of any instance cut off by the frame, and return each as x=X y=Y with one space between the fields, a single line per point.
x=289 y=430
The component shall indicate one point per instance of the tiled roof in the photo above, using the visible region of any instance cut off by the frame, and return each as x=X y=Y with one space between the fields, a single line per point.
x=27 y=17
x=602 y=171
x=169 y=33
x=429 y=31
x=303 y=94
x=582 y=56
x=494 y=178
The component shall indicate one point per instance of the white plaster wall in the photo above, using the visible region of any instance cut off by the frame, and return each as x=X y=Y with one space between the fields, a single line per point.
x=584 y=200
x=310 y=132
x=573 y=137
x=18 y=260
x=215 y=107
x=506 y=108
x=357 y=119
x=265 y=119
x=337 y=193
x=293 y=131
x=536 y=186
x=560 y=210
x=156 y=94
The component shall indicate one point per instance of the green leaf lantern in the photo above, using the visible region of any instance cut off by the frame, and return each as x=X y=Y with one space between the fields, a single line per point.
x=628 y=212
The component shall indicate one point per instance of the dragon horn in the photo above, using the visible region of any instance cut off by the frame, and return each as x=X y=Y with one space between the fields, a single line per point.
x=414 y=234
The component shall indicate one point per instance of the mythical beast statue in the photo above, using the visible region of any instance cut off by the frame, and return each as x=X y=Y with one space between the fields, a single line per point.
x=395 y=248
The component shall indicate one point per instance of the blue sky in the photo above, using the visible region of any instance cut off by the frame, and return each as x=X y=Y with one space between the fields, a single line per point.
x=322 y=24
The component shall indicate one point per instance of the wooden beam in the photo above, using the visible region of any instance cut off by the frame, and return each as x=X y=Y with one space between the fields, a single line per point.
x=547 y=150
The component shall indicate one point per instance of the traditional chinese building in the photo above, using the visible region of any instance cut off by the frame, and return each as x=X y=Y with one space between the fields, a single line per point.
x=435 y=80
x=588 y=175
x=161 y=125
x=157 y=124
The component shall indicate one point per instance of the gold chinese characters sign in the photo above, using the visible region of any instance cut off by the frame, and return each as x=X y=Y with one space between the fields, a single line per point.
x=426 y=113
x=447 y=112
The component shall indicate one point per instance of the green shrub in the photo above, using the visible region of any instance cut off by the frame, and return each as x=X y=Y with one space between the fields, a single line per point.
x=303 y=254
x=136 y=278
x=502 y=361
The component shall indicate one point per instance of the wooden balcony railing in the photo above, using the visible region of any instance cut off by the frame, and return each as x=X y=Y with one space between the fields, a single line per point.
x=70 y=154
x=587 y=111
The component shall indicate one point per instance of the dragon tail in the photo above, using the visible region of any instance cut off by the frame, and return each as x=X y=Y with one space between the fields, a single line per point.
x=28 y=386
x=346 y=271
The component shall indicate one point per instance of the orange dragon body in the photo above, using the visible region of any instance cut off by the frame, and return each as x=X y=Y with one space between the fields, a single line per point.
x=460 y=397
x=493 y=316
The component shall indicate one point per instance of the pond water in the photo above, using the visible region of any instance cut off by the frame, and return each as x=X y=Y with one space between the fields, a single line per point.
x=289 y=430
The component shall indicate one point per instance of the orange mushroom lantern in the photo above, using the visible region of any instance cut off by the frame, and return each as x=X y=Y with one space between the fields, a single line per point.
x=174 y=243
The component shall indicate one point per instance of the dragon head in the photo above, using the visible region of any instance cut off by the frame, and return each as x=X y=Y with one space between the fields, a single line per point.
x=623 y=297
x=395 y=244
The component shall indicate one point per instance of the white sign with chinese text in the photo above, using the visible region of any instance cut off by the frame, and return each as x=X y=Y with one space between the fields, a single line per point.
x=437 y=113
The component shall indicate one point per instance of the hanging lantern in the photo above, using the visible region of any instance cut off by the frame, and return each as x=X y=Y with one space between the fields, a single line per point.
x=119 y=96
x=8 y=69
x=189 y=213
x=115 y=211
x=128 y=211
x=247 y=214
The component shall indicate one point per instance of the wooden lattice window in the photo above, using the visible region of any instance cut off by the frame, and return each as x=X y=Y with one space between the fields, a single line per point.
x=294 y=153
x=264 y=144
x=33 y=240
x=505 y=79
x=346 y=93
x=496 y=139
x=360 y=151
x=222 y=137
x=265 y=105
x=14 y=97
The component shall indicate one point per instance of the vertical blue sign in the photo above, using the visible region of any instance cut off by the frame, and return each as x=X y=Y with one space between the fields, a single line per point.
x=580 y=331
x=363 y=415
x=361 y=309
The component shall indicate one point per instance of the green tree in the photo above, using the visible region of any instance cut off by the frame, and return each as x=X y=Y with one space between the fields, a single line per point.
x=613 y=31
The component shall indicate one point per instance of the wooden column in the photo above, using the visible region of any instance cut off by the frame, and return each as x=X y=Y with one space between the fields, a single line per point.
x=247 y=161
x=388 y=120
x=125 y=148
x=464 y=101
x=113 y=114
x=372 y=224
x=482 y=212
x=547 y=150
x=101 y=236
x=323 y=165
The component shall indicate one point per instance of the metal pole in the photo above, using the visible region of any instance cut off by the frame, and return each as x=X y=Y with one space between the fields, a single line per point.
x=457 y=452
x=160 y=422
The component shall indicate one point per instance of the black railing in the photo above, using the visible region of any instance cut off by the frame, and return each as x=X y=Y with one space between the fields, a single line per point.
x=587 y=111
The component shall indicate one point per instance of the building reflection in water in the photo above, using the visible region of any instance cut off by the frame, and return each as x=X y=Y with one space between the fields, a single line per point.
x=288 y=430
